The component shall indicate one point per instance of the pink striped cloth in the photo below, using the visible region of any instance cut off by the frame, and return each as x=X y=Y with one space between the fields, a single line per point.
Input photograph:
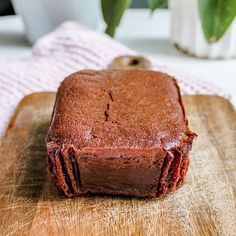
x=70 y=48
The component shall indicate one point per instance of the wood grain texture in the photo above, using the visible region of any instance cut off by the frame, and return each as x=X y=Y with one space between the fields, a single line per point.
x=205 y=205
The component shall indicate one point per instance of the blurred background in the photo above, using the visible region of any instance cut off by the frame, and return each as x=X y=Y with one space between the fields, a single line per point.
x=7 y=9
x=181 y=35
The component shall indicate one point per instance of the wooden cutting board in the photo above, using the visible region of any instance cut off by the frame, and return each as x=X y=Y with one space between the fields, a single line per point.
x=205 y=205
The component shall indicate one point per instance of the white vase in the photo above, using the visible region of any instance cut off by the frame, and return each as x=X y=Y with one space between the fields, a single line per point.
x=188 y=36
x=42 y=16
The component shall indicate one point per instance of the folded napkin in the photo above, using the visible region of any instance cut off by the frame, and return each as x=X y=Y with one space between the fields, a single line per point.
x=70 y=48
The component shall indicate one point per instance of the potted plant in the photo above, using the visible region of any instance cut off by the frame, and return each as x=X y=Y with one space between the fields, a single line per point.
x=203 y=28
x=113 y=11
x=42 y=16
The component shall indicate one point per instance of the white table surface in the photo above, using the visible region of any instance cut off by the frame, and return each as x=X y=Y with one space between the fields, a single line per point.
x=142 y=32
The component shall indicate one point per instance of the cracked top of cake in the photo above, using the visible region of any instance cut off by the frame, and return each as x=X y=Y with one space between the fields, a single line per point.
x=119 y=109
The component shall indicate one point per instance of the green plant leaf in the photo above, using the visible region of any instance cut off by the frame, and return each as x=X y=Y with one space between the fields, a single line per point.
x=154 y=4
x=113 y=11
x=216 y=16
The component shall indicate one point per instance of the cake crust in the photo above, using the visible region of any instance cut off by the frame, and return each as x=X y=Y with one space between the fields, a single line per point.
x=118 y=132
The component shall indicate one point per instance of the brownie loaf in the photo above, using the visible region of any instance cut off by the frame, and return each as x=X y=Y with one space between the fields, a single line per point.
x=118 y=132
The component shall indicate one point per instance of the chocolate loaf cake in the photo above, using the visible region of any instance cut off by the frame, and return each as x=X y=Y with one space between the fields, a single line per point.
x=118 y=132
